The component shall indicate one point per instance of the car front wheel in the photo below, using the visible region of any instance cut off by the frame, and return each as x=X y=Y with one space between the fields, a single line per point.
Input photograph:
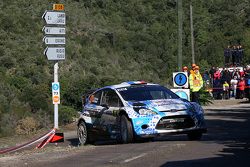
x=82 y=133
x=126 y=130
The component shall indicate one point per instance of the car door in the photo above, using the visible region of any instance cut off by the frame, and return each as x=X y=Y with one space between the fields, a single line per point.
x=109 y=118
x=94 y=109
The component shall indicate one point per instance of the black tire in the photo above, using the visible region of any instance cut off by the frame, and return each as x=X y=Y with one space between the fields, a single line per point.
x=126 y=130
x=194 y=135
x=82 y=133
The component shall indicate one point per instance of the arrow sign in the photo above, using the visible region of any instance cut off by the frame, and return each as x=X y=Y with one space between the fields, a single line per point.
x=57 y=18
x=55 y=53
x=54 y=30
x=54 y=40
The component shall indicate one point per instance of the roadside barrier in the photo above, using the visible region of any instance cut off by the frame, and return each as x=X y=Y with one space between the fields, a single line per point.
x=46 y=139
x=221 y=88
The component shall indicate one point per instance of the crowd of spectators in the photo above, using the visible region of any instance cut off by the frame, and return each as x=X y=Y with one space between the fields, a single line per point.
x=226 y=83
x=222 y=83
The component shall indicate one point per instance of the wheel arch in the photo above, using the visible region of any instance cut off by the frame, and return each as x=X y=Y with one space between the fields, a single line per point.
x=80 y=120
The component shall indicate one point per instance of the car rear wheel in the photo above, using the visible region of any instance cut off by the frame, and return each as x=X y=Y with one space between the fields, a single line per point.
x=194 y=135
x=126 y=130
x=82 y=133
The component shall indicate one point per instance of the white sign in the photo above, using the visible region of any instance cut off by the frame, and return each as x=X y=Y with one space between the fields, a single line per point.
x=57 y=18
x=182 y=93
x=55 y=92
x=55 y=53
x=180 y=79
x=54 y=40
x=54 y=30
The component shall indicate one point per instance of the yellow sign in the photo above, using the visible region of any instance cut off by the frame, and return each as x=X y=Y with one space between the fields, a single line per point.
x=58 y=7
x=56 y=99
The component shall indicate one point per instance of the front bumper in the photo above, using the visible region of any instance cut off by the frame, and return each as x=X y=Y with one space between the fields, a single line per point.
x=157 y=125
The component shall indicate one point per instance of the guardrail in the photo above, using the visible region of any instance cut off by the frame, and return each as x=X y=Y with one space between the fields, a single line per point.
x=46 y=138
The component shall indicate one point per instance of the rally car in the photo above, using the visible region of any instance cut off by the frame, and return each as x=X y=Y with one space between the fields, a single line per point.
x=137 y=109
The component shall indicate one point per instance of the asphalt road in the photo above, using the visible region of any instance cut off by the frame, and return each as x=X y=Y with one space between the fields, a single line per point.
x=227 y=143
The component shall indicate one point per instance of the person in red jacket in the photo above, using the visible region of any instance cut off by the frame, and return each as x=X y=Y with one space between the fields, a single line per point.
x=241 y=86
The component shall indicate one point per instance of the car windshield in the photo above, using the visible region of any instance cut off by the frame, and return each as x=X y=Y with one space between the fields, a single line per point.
x=146 y=92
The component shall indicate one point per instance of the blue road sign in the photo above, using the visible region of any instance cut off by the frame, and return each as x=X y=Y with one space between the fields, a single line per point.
x=55 y=86
x=180 y=79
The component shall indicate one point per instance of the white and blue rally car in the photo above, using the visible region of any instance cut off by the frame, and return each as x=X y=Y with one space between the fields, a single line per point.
x=137 y=109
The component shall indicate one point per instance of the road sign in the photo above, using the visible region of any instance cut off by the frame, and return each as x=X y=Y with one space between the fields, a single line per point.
x=58 y=7
x=54 y=30
x=56 y=92
x=182 y=93
x=57 y=18
x=55 y=53
x=54 y=20
x=54 y=40
x=180 y=79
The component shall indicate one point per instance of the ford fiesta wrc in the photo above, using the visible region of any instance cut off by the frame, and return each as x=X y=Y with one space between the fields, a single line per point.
x=137 y=109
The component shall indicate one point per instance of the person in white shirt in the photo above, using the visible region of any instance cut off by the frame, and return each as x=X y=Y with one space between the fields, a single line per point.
x=233 y=84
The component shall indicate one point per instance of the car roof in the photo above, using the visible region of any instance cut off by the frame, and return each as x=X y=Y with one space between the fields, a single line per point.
x=128 y=84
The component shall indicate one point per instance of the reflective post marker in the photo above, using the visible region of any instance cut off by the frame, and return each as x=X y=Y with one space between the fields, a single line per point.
x=56 y=67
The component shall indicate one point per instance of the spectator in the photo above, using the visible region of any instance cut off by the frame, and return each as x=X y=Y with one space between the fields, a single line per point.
x=247 y=78
x=242 y=72
x=247 y=71
x=196 y=83
x=206 y=75
x=241 y=85
x=240 y=54
x=236 y=73
x=226 y=76
x=211 y=74
x=234 y=55
x=237 y=57
x=192 y=70
x=217 y=74
x=234 y=83
x=225 y=90
x=185 y=69
x=206 y=79
x=217 y=89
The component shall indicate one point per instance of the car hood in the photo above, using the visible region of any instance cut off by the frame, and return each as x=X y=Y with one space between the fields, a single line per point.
x=161 y=105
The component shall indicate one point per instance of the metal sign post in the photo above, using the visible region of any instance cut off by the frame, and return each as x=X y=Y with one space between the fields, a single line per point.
x=55 y=51
x=56 y=101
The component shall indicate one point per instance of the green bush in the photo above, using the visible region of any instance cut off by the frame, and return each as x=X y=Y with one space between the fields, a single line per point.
x=66 y=115
x=26 y=126
x=205 y=97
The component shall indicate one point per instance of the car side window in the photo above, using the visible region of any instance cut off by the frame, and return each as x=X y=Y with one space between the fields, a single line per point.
x=95 y=98
x=111 y=98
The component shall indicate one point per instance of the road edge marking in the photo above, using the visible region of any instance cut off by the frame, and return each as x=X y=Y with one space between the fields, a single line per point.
x=136 y=157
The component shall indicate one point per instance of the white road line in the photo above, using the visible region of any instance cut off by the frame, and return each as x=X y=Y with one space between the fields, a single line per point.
x=136 y=157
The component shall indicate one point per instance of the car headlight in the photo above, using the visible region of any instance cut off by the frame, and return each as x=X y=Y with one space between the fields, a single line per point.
x=144 y=111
